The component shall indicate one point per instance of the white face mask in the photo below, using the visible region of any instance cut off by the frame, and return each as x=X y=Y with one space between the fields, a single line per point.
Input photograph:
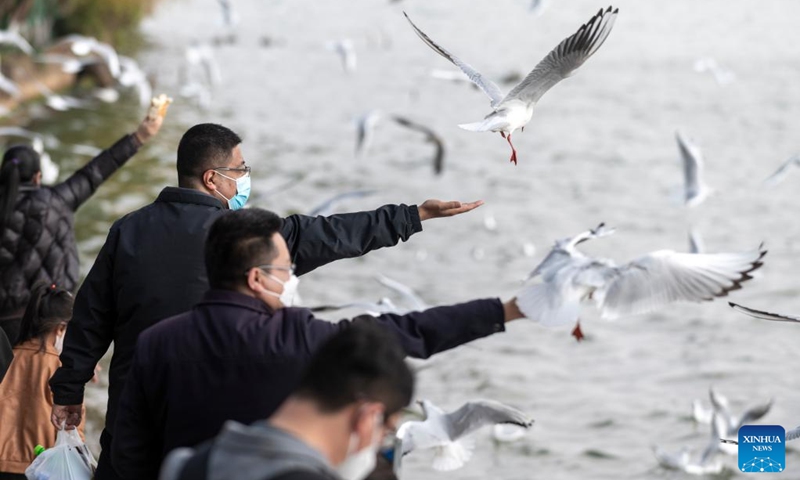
x=358 y=465
x=289 y=294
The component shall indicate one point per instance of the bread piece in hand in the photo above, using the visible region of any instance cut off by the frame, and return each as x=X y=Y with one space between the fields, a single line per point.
x=159 y=105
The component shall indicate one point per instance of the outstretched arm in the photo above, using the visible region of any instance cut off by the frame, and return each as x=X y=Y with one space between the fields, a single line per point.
x=316 y=241
x=82 y=184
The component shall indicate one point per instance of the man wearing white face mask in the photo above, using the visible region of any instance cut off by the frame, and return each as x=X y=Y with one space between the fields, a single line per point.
x=331 y=426
x=241 y=351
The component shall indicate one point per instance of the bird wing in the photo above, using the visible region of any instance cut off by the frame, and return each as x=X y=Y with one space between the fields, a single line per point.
x=438 y=159
x=793 y=434
x=14 y=38
x=718 y=430
x=109 y=55
x=695 y=242
x=777 y=317
x=404 y=290
x=488 y=87
x=782 y=171
x=563 y=60
x=475 y=414
x=752 y=414
x=692 y=165
x=664 y=277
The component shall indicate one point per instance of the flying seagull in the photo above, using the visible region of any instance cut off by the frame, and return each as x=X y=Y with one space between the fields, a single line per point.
x=514 y=110
x=695 y=191
x=729 y=424
x=777 y=317
x=445 y=432
x=83 y=46
x=430 y=136
x=696 y=244
x=704 y=465
x=782 y=171
x=347 y=53
x=365 y=130
x=645 y=284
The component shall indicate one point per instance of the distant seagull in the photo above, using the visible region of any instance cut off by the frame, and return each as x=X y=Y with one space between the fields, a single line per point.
x=645 y=284
x=365 y=130
x=730 y=423
x=782 y=171
x=132 y=76
x=514 y=111
x=82 y=46
x=326 y=208
x=445 y=432
x=777 y=317
x=384 y=305
x=48 y=168
x=722 y=76
x=229 y=16
x=408 y=293
x=60 y=103
x=201 y=56
x=695 y=191
x=69 y=64
x=347 y=53
x=430 y=136
x=10 y=37
x=705 y=464
x=696 y=244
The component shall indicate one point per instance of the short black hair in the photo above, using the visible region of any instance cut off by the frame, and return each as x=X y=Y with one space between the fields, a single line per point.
x=237 y=241
x=203 y=147
x=362 y=361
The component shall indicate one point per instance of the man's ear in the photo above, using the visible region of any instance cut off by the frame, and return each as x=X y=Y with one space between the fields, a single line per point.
x=254 y=280
x=37 y=178
x=366 y=422
x=207 y=176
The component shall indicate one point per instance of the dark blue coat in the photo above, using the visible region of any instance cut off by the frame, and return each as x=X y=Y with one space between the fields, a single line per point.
x=232 y=358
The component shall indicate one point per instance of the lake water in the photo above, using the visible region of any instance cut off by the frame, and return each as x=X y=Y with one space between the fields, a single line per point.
x=600 y=147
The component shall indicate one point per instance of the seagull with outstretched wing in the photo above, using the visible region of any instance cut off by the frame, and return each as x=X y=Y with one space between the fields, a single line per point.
x=445 y=432
x=645 y=284
x=514 y=110
x=430 y=135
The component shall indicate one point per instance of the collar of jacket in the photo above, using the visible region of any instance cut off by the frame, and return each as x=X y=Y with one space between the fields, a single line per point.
x=187 y=195
x=229 y=297
x=34 y=345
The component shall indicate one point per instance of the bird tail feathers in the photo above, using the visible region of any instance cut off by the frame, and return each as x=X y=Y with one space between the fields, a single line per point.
x=453 y=455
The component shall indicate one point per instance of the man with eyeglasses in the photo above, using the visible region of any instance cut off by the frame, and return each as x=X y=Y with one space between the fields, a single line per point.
x=241 y=351
x=151 y=265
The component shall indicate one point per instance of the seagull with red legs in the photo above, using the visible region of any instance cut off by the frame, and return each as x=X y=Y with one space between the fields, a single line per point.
x=514 y=111
x=643 y=285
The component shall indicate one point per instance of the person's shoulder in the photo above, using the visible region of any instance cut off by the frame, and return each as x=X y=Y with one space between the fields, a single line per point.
x=303 y=475
x=165 y=330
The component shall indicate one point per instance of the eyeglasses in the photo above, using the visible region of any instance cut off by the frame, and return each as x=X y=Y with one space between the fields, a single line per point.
x=244 y=169
x=291 y=268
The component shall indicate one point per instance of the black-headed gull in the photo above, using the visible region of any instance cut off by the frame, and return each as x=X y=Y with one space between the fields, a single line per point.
x=705 y=464
x=782 y=171
x=730 y=424
x=640 y=286
x=514 y=110
x=695 y=190
x=445 y=432
x=775 y=317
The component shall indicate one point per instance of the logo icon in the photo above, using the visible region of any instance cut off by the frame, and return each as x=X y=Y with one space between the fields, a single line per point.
x=762 y=448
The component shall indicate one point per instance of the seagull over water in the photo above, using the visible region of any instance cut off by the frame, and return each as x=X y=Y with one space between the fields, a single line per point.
x=705 y=464
x=445 y=432
x=695 y=190
x=642 y=285
x=514 y=110
x=782 y=171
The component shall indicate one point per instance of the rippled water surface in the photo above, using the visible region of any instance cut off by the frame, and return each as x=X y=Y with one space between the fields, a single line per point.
x=600 y=147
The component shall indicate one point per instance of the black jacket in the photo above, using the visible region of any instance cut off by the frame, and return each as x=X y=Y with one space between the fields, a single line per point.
x=232 y=358
x=38 y=243
x=151 y=267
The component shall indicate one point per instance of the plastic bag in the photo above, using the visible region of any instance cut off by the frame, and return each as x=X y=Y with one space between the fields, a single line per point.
x=69 y=459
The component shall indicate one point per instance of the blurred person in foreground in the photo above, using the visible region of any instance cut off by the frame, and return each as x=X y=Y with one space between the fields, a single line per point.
x=36 y=221
x=241 y=351
x=330 y=427
x=25 y=399
x=151 y=266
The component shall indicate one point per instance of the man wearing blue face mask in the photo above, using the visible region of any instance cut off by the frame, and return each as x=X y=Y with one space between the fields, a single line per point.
x=151 y=266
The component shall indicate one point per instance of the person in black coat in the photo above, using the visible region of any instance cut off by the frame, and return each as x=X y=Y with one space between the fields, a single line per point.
x=240 y=352
x=151 y=265
x=37 y=241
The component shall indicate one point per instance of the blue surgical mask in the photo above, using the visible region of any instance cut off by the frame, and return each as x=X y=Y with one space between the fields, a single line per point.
x=242 y=191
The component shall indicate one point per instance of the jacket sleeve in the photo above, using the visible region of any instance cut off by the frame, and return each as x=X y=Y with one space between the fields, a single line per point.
x=425 y=333
x=316 y=241
x=82 y=184
x=91 y=330
x=135 y=447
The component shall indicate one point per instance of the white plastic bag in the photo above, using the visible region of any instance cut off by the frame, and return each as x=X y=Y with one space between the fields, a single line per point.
x=69 y=459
